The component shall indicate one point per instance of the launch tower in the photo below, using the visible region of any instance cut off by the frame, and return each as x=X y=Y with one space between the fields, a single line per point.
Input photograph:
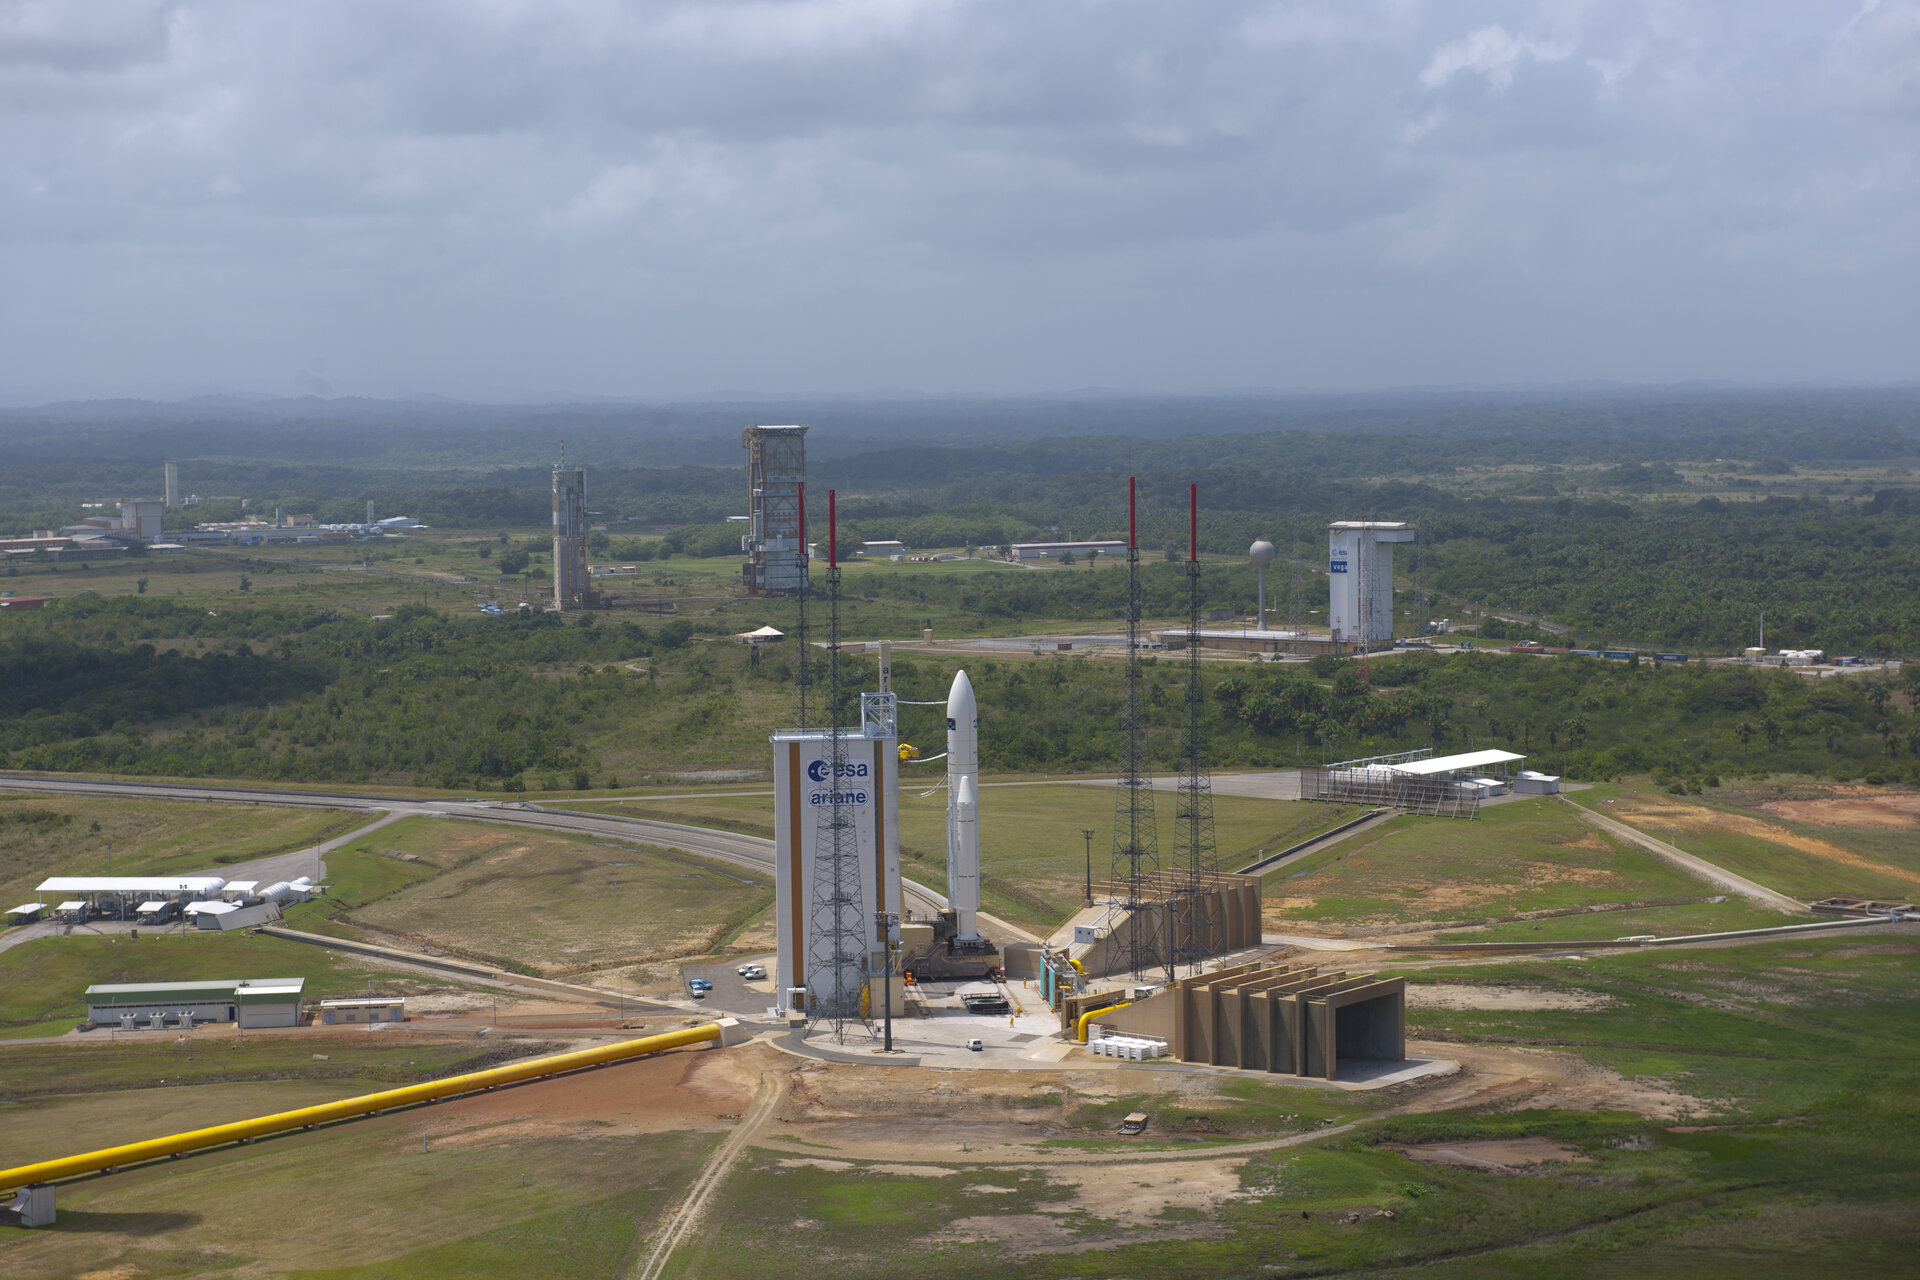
x=775 y=541
x=572 y=588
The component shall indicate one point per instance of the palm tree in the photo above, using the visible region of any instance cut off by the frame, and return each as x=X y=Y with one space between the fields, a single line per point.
x=1743 y=731
x=1771 y=728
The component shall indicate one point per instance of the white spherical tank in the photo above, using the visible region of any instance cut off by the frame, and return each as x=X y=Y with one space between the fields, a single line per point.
x=1262 y=554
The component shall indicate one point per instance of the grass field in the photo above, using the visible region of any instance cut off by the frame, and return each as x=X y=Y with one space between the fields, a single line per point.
x=50 y=835
x=42 y=982
x=542 y=903
x=1033 y=858
x=1799 y=858
x=397 y=1195
x=1528 y=856
x=326 y=1063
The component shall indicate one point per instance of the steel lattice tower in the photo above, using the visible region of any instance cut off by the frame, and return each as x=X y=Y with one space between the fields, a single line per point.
x=1197 y=864
x=839 y=928
x=1136 y=839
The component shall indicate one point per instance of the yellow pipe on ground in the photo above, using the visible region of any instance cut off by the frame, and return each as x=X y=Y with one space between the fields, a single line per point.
x=346 y=1108
x=1085 y=1018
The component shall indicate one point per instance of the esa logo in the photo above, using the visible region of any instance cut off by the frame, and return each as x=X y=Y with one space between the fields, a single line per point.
x=819 y=769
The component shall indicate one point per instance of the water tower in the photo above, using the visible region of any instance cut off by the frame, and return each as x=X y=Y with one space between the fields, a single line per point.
x=1261 y=553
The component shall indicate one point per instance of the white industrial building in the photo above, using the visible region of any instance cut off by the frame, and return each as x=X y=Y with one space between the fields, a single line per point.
x=1360 y=579
x=363 y=1009
x=256 y=1002
x=1042 y=550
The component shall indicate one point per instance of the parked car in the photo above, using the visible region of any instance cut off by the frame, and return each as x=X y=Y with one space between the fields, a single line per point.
x=699 y=984
x=753 y=973
x=976 y=1045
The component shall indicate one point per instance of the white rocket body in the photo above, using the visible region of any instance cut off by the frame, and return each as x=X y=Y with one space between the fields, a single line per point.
x=963 y=808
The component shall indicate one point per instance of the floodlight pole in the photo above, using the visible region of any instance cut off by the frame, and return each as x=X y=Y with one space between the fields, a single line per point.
x=1087 y=832
x=886 y=923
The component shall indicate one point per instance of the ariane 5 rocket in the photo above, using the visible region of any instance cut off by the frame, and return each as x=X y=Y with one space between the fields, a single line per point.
x=963 y=808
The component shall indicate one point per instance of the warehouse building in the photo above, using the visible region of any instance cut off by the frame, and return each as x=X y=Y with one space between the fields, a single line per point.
x=248 y=1002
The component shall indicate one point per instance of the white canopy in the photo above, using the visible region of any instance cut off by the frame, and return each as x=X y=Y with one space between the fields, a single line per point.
x=1456 y=764
x=132 y=884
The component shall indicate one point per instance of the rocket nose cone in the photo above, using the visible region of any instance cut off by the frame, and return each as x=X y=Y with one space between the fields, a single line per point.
x=960 y=698
x=968 y=792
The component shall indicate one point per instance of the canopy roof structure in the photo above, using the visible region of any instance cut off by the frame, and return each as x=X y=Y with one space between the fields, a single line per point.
x=1466 y=762
x=132 y=884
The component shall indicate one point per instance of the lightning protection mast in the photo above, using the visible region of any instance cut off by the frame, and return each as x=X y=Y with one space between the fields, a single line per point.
x=1136 y=840
x=835 y=991
x=1197 y=926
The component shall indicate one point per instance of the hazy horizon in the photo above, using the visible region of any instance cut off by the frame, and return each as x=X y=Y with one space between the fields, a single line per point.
x=788 y=199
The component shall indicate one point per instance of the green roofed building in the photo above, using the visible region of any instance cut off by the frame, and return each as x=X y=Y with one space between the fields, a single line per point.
x=251 y=1002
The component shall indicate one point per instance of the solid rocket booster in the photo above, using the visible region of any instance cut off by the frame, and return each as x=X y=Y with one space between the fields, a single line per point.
x=963 y=808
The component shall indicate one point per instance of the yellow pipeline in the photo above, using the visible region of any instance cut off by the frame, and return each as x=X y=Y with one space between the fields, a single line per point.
x=1085 y=1018
x=366 y=1104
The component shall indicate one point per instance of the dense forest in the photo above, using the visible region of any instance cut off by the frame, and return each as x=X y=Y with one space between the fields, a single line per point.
x=99 y=684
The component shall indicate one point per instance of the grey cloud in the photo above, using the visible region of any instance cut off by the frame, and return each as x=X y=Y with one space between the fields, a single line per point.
x=964 y=194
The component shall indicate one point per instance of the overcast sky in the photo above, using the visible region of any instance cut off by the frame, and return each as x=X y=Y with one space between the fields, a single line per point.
x=506 y=199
